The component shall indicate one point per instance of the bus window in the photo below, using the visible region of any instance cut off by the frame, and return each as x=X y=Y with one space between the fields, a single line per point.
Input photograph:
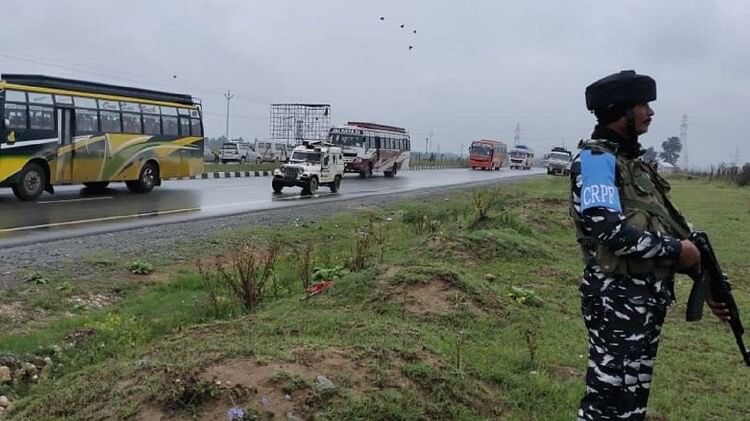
x=131 y=123
x=63 y=100
x=109 y=105
x=151 y=124
x=41 y=118
x=16 y=115
x=170 y=125
x=130 y=107
x=111 y=121
x=87 y=121
x=195 y=127
x=15 y=96
x=184 y=126
x=40 y=99
x=150 y=109
x=81 y=102
x=170 y=111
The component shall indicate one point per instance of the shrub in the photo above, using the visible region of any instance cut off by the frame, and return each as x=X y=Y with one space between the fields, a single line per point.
x=363 y=240
x=246 y=273
x=140 y=268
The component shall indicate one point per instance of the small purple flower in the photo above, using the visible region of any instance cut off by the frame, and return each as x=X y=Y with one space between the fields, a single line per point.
x=235 y=413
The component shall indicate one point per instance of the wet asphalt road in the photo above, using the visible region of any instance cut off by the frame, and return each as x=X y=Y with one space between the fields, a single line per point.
x=73 y=212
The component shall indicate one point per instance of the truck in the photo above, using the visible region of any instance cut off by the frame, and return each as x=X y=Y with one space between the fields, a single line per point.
x=559 y=161
x=312 y=164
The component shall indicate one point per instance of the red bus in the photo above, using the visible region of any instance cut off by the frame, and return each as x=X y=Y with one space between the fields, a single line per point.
x=487 y=154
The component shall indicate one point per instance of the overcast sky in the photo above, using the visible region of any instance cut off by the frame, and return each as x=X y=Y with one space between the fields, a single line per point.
x=477 y=68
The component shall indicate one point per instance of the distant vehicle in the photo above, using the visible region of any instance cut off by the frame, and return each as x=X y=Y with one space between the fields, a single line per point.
x=559 y=161
x=311 y=165
x=273 y=151
x=487 y=154
x=370 y=148
x=521 y=157
x=238 y=152
x=64 y=131
x=210 y=156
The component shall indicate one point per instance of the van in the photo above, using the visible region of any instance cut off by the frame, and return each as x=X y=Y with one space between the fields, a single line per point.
x=272 y=151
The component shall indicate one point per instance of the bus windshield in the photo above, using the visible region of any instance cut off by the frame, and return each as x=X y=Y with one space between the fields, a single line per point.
x=481 y=149
x=347 y=140
x=312 y=157
x=518 y=154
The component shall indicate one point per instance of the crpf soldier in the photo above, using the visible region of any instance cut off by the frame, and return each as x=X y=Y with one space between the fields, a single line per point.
x=633 y=241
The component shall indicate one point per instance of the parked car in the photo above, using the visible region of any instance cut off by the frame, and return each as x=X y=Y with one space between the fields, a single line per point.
x=238 y=152
x=210 y=156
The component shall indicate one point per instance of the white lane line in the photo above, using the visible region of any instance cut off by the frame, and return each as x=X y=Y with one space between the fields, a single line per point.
x=83 y=199
x=104 y=219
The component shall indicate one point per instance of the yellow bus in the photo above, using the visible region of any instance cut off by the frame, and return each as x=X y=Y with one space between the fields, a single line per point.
x=61 y=131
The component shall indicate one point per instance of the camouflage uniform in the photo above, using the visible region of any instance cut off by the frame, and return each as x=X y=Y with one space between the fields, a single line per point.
x=626 y=228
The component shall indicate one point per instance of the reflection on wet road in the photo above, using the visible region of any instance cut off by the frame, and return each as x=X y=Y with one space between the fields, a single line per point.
x=74 y=211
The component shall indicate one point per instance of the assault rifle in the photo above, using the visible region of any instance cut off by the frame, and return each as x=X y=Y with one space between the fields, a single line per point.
x=712 y=282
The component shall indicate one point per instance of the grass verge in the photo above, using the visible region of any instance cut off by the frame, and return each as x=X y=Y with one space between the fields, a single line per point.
x=462 y=307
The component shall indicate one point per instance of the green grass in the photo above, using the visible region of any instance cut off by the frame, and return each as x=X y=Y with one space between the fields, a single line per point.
x=435 y=331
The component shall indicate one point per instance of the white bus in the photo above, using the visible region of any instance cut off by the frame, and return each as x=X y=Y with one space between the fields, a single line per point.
x=521 y=157
x=372 y=148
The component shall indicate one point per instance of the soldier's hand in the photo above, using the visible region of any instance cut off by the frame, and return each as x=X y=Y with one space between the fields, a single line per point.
x=690 y=257
x=720 y=310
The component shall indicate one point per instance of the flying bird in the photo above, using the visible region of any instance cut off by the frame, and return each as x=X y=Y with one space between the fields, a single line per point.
x=382 y=18
x=402 y=26
x=174 y=76
x=415 y=31
x=411 y=47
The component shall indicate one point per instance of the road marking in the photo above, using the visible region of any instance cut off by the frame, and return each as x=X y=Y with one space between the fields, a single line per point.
x=104 y=219
x=83 y=199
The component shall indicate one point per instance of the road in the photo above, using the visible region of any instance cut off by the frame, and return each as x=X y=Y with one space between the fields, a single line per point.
x=73 y=212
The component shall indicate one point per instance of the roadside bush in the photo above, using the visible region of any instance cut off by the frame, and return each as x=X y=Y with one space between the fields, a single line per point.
x=482 y=204
x=247 y=272
x=417 y=218
x=140 y=268
x=363 y=240
x=305 y=262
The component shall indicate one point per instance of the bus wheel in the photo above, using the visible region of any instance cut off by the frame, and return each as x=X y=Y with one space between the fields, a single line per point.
x=146 y=179
x=96 y=186
x=242 y=160
x=31 y=182
x=391 y=173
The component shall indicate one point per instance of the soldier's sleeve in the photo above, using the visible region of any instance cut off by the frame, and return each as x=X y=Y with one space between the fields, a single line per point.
x=602 y=212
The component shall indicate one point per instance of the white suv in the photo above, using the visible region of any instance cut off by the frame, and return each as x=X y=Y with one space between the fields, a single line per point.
x=311 y=165
x=240 y=152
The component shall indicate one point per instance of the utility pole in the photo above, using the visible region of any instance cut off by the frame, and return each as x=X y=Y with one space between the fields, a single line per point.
x=683 y=138
x=461 y=152
x=228 y=96
x=517 y=137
